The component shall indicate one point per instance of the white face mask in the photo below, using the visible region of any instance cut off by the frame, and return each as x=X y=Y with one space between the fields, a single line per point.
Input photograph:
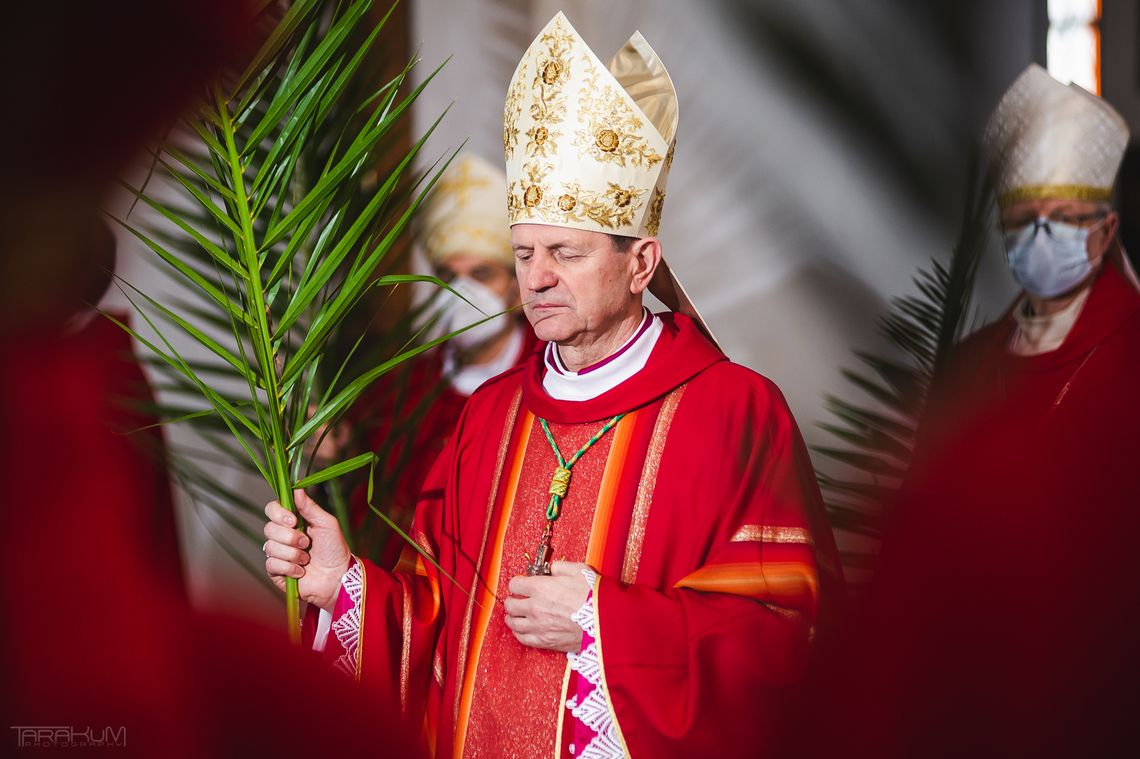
x=455 y=313
x=1049 y=258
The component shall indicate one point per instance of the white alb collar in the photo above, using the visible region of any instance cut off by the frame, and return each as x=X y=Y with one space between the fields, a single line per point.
x=564 y=385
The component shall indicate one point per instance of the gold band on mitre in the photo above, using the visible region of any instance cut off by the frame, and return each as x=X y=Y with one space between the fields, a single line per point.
x=465 y=215
x=1055 y=191
x=588 y=146
x=1047 y=140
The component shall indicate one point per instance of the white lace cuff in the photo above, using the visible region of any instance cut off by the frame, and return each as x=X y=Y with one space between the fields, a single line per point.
x=584 y=617
x=347 y=625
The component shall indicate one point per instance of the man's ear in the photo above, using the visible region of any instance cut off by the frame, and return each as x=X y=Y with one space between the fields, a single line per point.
x=1110 y=227
x=645 y=255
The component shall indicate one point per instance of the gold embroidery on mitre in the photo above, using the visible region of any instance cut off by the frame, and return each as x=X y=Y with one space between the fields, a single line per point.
x=612 y=208
x=532 y=196
x=654 y=221
x=527 y=193
x=541 y=142
x=548 y=107
x=513 y=110
x=608 y=129
x=582 y=151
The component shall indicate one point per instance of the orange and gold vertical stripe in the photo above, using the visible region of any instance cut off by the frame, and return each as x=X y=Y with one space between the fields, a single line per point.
x=607 y=491
x=647 y=484
x=487 y=600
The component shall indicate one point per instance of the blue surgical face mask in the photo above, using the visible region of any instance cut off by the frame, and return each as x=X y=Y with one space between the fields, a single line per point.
x=1049 y=258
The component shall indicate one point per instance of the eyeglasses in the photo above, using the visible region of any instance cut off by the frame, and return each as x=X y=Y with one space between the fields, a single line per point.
x=1045 y=222
x=1060 y=227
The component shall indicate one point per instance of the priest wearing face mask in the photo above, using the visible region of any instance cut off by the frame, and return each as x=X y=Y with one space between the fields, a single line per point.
x=409 y=414
x=1057 y=150
x=622 y=549
x=1006 y=598
x=1065 y=348
x=465 y=236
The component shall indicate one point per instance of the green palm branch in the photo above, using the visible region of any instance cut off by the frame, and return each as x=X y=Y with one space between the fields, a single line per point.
x=877 y=442
x=278 y=241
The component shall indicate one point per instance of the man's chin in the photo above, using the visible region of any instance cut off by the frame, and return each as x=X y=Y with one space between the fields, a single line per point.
x=551 y=329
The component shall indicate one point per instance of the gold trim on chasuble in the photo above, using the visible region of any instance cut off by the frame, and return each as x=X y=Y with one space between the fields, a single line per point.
x=646 y=484
x=360 y=631
x=417 y=569
x=466 y=667
x=437 y=669
x=561 y=712
x=754 y=533
x=406 y=648
x=411 y=563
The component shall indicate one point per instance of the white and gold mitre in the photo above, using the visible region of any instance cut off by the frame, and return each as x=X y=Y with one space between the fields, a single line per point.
x=1047 y=140
x=465 y=213
x=588 y=146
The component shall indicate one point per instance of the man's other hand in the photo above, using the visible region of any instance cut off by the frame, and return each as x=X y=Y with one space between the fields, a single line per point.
x=539 y=611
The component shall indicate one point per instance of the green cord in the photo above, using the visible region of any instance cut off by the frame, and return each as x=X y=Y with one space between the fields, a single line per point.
x=561 y=481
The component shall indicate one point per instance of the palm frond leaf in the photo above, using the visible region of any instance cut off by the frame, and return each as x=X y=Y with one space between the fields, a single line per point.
x=268 y=230
x=922 y=329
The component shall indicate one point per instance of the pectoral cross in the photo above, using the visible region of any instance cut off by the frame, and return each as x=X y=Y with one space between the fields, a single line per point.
x=541 y=563
x=559 y=485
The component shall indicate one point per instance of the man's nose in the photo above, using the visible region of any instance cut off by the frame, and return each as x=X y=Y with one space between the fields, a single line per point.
x=540 y=274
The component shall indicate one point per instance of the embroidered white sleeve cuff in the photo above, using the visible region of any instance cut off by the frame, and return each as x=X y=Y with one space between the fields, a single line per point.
x=584 y=617
x=347 y=625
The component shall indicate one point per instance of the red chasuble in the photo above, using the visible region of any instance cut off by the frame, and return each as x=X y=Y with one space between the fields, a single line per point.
x=1060 y=392
x=699 y=511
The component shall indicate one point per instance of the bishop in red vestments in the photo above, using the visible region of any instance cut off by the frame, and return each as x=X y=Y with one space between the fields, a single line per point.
x=1072 y=338
x=1003 y=615
x=622 y=550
